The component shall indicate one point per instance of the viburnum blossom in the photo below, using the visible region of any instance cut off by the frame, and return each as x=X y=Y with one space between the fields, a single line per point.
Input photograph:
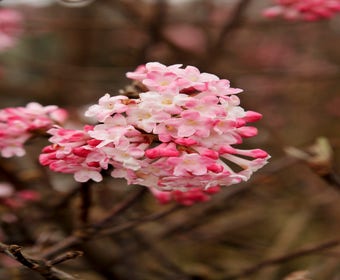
x=10 y=27
x=308 y=10
x=18 y=124
x=16 y=199
x=176 y=138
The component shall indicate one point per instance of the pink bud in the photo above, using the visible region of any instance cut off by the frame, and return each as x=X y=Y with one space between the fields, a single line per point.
x=216 y=168
x=258 y=153
x=252 y=116
x=227 y=150
x=247 y=131
x=29 y=195
x=80 y=151
x=185 y=141
x=59 y=115
x=210 y=154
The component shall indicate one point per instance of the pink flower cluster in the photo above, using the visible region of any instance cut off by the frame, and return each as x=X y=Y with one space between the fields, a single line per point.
x=308 y=10
x=19 y=124
x=10 y=27
x=176 y=138
x=16 y=199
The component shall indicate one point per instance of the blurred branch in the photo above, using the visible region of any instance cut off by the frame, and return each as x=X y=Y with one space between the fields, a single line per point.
x=319 y=157
x=154 y=29
x=44 y=268
x=86 y=199
x=233 y=22
x=218 y=204
x=128 y=9
x=64 y=257
x=120 y=208
x=65 y=199
x=89 y=232
x=159 y=256
x=10 y=175
x=137 y=222
x=285 y=258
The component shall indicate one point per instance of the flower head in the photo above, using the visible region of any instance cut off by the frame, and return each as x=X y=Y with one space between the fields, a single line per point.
x=307 y=10
x=18 y=124
x=11 y=198
x=10 y=28
x=177 y=137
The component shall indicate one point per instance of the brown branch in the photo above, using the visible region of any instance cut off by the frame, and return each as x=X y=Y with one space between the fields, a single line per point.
x=137 y=222
x=65 y=199
x=10 y=175
x=89 y=232
x=233 y=22
x=285 y=258
x=159 y=255
x=319 y=158
x=44 y=268
x=120 y=208
x=333 y=179
x=86 y=200
x=65 y=257
x=154 y=29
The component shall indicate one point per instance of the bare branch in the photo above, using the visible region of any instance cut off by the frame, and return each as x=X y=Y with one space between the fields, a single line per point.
x=232 y=23
x=89 y=232
x=65 y=257
x=85 y=193
x=134 y=223
x=44 y=268
x=285 y=258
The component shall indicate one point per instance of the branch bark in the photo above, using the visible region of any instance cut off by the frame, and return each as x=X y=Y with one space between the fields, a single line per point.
x=41 y=266
x=285 y=258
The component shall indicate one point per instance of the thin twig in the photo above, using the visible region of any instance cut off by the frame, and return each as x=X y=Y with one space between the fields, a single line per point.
x=333 y=179
x=120 y=208
x=44 y=268
x=234 y=21
x=89 y=232
x=134 y=223
x=86 y=200
x=65 y=199
x=11 y=176
x=154 y=29
x=159 y=255
x=219 y=204
x=285 y=258
x=64 y=257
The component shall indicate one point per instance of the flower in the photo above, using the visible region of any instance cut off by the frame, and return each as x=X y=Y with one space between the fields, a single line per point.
x=10 y=28
x=307 y=10
x=19 y=124
x=176 y=138
x=73 y=152
x=16 y=199
x=107 y=106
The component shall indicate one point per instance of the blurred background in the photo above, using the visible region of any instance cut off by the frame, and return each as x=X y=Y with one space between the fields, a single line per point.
x=71 y=53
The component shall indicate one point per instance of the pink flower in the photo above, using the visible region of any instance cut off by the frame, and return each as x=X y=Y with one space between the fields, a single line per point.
x=163 y=150
x=308 y=10
x=107 y=106
x=10 y=28
x=16 y=199
x=177 y=137
x=114 y=130
x=72 y=152
x=6 y=190
x=19 y=124
x=187 y=198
